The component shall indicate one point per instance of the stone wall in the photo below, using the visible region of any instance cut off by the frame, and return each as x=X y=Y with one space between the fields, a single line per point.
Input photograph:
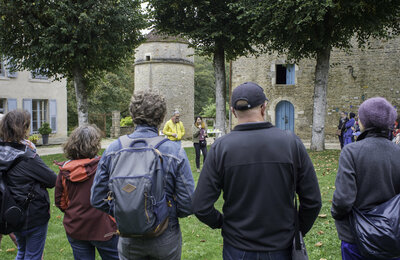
x=168 y=67
x=353 y=77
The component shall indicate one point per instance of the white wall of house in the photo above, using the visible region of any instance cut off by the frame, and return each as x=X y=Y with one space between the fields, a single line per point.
x=44 y=98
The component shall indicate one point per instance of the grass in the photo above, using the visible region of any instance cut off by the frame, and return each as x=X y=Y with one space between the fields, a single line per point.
x=199 y=241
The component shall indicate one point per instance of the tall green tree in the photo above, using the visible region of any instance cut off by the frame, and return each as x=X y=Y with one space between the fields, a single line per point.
x=311 y=28
x=214 y=29
x=77 y=39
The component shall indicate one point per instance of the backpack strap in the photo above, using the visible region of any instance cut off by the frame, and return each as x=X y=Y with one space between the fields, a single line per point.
x=125 y=141
x=153 y=142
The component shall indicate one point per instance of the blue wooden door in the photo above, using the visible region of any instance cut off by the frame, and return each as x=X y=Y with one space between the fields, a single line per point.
x=284 y=117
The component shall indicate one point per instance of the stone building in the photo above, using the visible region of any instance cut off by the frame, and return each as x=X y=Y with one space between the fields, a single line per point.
x=353 y=77
x=45 y=99
x=166 y=64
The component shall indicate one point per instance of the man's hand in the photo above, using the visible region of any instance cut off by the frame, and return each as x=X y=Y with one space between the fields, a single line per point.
x=174 y=135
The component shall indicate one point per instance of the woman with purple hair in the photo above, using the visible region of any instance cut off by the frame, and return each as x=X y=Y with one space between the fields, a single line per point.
x=368 y=172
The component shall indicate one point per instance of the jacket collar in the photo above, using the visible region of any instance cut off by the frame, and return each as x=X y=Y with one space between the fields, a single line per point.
x=252 y=126
x=146 y=128
x=78 y=170
x=373 y=132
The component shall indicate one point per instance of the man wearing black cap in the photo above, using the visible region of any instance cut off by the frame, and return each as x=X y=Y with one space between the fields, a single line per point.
x=255 y=166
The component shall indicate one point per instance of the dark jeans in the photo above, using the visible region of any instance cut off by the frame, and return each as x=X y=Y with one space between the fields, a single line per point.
x=232 y=253
x=85 y=250
x=167 y=246
x=350 y=252
x=197 y=148
x=341 y=141
x=31 y=243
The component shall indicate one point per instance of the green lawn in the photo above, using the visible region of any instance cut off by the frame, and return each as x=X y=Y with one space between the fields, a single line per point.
x=199 y=241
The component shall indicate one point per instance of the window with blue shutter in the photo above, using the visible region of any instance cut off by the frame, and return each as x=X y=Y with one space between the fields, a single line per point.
x=2 y=69
x=285 y=74
x=11 y=104
x=290 y=70
x=10 y=74
x=53 y=115
x=27 y=105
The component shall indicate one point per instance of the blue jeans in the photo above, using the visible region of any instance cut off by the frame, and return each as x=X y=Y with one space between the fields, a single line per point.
x=231 y=253
x=167 y=246
x=85 y=250
x=351 y=252
x=31 y=243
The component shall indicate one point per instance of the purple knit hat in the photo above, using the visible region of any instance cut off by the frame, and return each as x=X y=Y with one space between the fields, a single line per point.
x=377 y=112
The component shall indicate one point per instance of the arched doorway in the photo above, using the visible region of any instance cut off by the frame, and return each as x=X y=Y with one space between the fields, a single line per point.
x=284 y=115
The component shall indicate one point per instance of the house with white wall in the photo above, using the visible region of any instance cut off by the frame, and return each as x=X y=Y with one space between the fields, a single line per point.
x=44 y=98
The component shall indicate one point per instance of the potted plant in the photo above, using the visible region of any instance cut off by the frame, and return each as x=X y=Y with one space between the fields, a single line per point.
x=45 y=130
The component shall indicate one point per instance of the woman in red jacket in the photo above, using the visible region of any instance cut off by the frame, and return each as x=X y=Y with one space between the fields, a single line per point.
x=87 y=228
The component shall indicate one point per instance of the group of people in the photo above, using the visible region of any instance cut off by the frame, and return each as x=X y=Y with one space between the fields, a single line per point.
x=260 y=169
x=174 y=131
x=348 y=128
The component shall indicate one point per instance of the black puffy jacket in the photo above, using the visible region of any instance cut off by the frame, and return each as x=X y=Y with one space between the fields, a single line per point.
x=29 y=175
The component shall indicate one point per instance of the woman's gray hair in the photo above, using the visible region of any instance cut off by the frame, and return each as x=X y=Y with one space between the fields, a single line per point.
x=147 y=108
x=84 y=142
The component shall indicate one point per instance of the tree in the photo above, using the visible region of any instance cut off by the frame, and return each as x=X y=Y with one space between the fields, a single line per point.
x=214 y=29
x=311 y=28
x=111 y=92
x=204 y=83
x=77 y=39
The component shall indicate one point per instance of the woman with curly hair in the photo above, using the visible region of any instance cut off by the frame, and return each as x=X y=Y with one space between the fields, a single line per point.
x=87 y=228
x=28 y=179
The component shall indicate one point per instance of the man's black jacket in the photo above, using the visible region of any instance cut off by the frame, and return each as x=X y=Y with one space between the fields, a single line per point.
x=254 y=166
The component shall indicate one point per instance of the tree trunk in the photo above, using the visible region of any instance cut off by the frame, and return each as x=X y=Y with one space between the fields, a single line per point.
x=81 y=98
x=220 y=88
x=320 y=89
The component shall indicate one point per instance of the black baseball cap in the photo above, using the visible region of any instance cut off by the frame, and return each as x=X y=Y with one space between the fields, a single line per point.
x=250 y=92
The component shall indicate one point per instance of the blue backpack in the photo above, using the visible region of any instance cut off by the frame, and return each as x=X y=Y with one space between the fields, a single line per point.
x=137 y=187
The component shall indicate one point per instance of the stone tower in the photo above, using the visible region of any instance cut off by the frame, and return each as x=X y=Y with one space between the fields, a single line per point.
x=166 y=64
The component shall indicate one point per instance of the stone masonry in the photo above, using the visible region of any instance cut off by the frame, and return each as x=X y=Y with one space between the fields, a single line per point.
x=353 y=77
x=166 y=64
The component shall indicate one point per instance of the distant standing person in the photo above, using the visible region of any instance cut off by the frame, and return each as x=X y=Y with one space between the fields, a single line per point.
x=28 y=178
x=368 y=172
x=174 y=129
x=348 y=133
x=341 y=127
x=199 y=130
x=87 y=228
x=255 y=166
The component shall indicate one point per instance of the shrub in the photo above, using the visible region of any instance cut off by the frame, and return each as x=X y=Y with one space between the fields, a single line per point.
x=45 y=129
x=34 y=138
x=126 y=121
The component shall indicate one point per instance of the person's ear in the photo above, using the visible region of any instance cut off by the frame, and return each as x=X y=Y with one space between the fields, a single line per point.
x=233 y=112
x=263 y=109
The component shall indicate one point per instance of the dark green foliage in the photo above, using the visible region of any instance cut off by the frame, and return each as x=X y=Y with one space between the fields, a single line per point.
x=111 y=92
x=204 y=83
x=304 y=28
x=207 y=23
x=45 y=129
x=57 y=37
